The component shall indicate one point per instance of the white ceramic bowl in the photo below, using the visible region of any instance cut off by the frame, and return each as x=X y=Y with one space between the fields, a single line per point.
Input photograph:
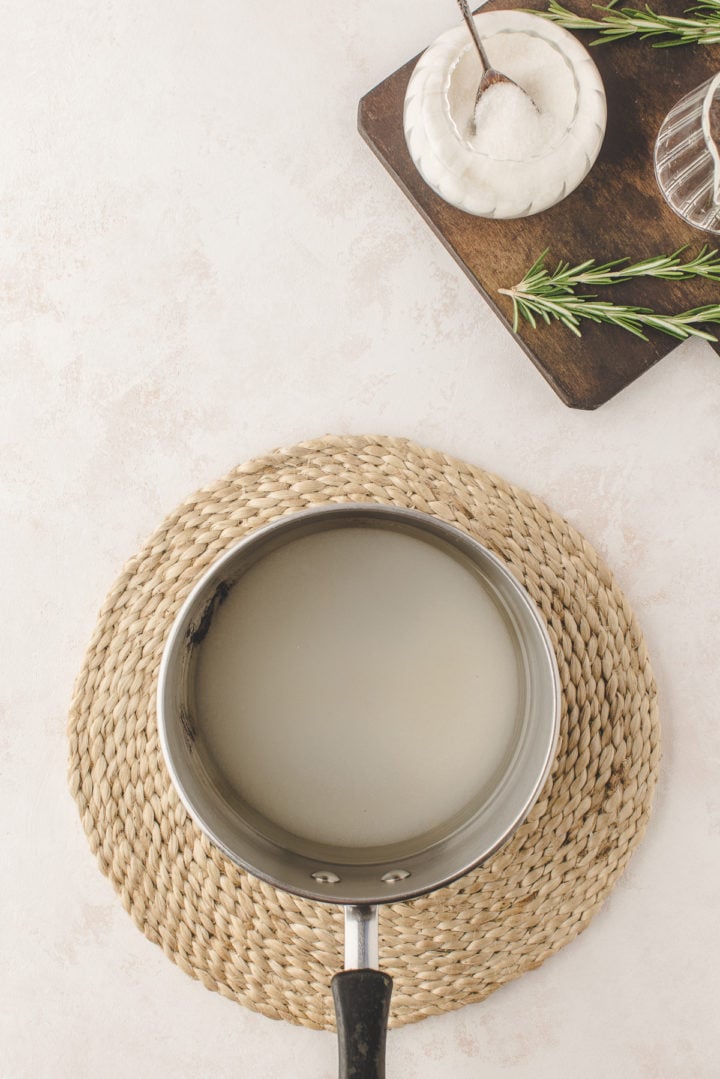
x=439 y=104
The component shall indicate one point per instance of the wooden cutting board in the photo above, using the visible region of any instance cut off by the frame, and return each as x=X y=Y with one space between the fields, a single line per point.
x=617 y=211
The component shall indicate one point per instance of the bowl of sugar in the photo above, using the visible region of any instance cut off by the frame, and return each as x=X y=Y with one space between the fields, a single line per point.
x=522 y=148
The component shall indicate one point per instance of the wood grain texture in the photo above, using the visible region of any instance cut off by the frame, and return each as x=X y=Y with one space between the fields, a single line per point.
x=617 y=211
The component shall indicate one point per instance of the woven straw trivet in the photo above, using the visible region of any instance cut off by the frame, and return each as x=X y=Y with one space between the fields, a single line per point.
x=271 y=951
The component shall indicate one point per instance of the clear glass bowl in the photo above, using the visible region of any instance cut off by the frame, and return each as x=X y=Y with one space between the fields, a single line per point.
x=439 y=105
x=687 y=166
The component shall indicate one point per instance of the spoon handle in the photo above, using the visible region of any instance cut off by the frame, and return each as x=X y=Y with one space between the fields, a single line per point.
x=467 y=16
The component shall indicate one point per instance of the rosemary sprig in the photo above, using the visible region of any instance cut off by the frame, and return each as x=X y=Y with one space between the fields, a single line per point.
x=553 y=297
x=699 y=25
x=670 y=267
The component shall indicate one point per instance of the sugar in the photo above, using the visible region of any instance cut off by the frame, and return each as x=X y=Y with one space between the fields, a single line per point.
x=509 y=126
x=512 y=163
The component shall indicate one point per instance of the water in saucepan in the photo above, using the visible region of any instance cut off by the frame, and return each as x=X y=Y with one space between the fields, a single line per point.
x=358 y=687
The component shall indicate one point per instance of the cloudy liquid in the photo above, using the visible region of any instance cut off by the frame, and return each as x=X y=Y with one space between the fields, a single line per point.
x=358 y=687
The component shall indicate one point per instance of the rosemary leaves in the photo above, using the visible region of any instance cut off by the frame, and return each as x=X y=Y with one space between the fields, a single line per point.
x=554 y=296
x=699 y=25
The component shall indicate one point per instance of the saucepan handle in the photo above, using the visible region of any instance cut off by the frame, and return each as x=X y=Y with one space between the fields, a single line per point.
x=362 y=999
x=362 y=1004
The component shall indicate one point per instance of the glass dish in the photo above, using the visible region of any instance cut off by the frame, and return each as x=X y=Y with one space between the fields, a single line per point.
x=687 y=165
x=439 y=108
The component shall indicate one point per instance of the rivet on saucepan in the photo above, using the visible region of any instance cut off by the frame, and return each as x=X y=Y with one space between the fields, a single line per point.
x=325 y=876
x=395 y=875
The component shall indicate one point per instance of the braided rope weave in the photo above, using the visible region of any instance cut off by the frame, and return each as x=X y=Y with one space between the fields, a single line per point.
x=276 y=953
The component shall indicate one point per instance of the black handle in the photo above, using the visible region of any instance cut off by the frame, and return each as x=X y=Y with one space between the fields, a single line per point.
x=362 y=1004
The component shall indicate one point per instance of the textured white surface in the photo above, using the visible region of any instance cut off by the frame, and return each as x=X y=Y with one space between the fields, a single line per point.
x=200 y=260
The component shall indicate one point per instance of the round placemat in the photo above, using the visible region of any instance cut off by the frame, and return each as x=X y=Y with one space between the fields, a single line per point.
x=276 y=953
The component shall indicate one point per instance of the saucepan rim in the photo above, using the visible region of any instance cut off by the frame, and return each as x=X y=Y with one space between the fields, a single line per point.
x=397 y=875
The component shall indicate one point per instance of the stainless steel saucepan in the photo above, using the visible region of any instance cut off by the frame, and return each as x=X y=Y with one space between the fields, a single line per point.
x=359 y=879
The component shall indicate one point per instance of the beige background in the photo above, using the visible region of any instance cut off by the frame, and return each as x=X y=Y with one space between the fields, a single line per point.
x=201 y=260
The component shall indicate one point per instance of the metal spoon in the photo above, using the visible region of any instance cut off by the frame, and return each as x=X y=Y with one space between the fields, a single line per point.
x=490 y=76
